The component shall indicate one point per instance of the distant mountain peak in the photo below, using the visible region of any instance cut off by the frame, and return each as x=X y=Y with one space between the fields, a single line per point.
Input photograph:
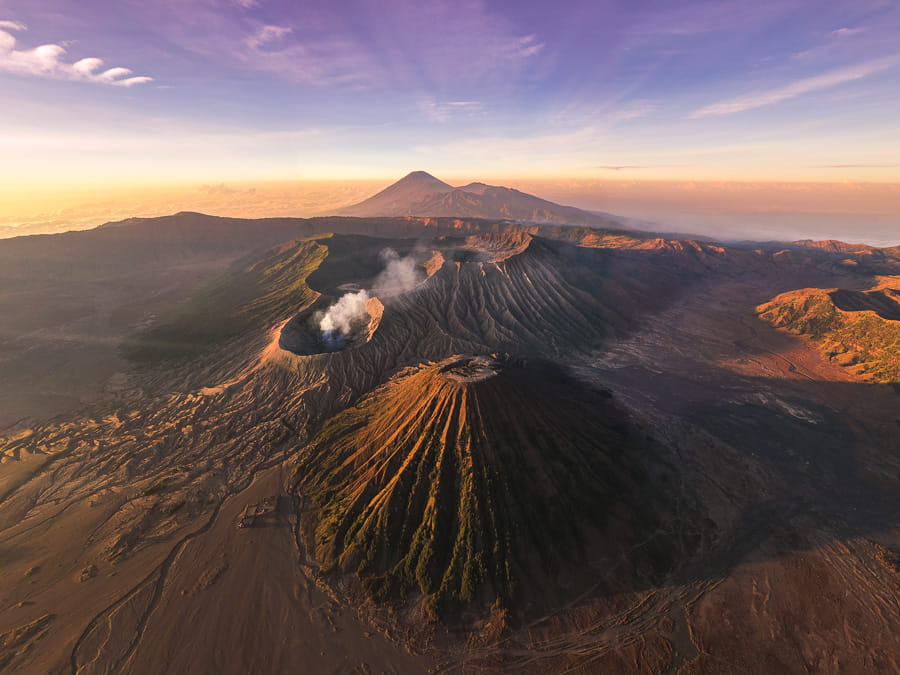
x=395 y=199
x=421 y=194
x=419 y=175
x=421 y=180
x=475 y=188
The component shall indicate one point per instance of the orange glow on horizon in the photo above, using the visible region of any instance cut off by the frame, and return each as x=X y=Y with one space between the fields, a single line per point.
x=45 y=210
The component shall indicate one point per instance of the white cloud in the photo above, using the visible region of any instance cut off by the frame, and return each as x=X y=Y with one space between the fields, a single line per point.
x=797 y=88
x=87 y=66
x=131 y=81
x=268 y=34
x=47 y=61
x=846 y=32
x=528 y=46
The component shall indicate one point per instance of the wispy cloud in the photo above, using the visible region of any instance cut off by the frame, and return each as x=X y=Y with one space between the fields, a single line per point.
x=797 y=88
x=609 y=113
x=443 y=111
x=323 y=62
x=857 y=166
x=527 y=46
x=624 y=167
x=846 y=32
x=447 y=48
x=630 y=111
x=693 y=19
x=225 y=190
x=268 y=35
x=47 y=61
x=517 y=149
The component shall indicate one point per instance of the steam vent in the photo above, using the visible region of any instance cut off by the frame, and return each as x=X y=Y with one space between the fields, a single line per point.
x=308 y=333
x=459 y=483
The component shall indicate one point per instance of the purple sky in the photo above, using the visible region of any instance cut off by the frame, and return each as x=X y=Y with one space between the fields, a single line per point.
x=204 y=90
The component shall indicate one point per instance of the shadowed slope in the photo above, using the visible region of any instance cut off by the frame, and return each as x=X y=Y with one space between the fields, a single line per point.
x=465 y=480
x=254 y=291
x=885 y=303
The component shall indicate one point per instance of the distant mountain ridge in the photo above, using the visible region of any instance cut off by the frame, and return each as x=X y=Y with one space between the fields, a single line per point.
x=421 y=194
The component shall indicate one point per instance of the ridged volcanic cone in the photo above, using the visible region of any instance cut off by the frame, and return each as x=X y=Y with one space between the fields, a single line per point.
x=467 y=479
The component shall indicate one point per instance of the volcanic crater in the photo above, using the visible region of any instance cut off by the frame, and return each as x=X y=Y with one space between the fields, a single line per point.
x=471 y=368
x=304 y=336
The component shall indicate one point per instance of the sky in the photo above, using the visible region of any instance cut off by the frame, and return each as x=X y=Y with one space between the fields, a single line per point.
x=139 y=93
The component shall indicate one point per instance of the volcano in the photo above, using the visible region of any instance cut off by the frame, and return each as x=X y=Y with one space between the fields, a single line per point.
x=482 y=481
x=550 y=449
x=421 y=194
x=395 y=200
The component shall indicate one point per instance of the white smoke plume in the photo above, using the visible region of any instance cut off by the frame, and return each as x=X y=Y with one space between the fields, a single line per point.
x=336 y=323
x=400 y=275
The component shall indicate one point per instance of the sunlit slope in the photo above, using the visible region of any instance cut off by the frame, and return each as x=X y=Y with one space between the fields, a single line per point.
x=466 y=479
x=396 y=198
x=858 y=329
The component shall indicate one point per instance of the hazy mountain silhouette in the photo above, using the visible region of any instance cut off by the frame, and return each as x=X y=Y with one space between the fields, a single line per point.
x=421 y=194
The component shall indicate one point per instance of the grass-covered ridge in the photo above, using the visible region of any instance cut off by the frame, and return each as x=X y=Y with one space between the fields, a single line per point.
x=250 y=295
x=852 y=328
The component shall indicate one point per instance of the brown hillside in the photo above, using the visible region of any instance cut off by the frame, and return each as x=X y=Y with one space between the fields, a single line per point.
x=857 y=329
x=464 y=481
